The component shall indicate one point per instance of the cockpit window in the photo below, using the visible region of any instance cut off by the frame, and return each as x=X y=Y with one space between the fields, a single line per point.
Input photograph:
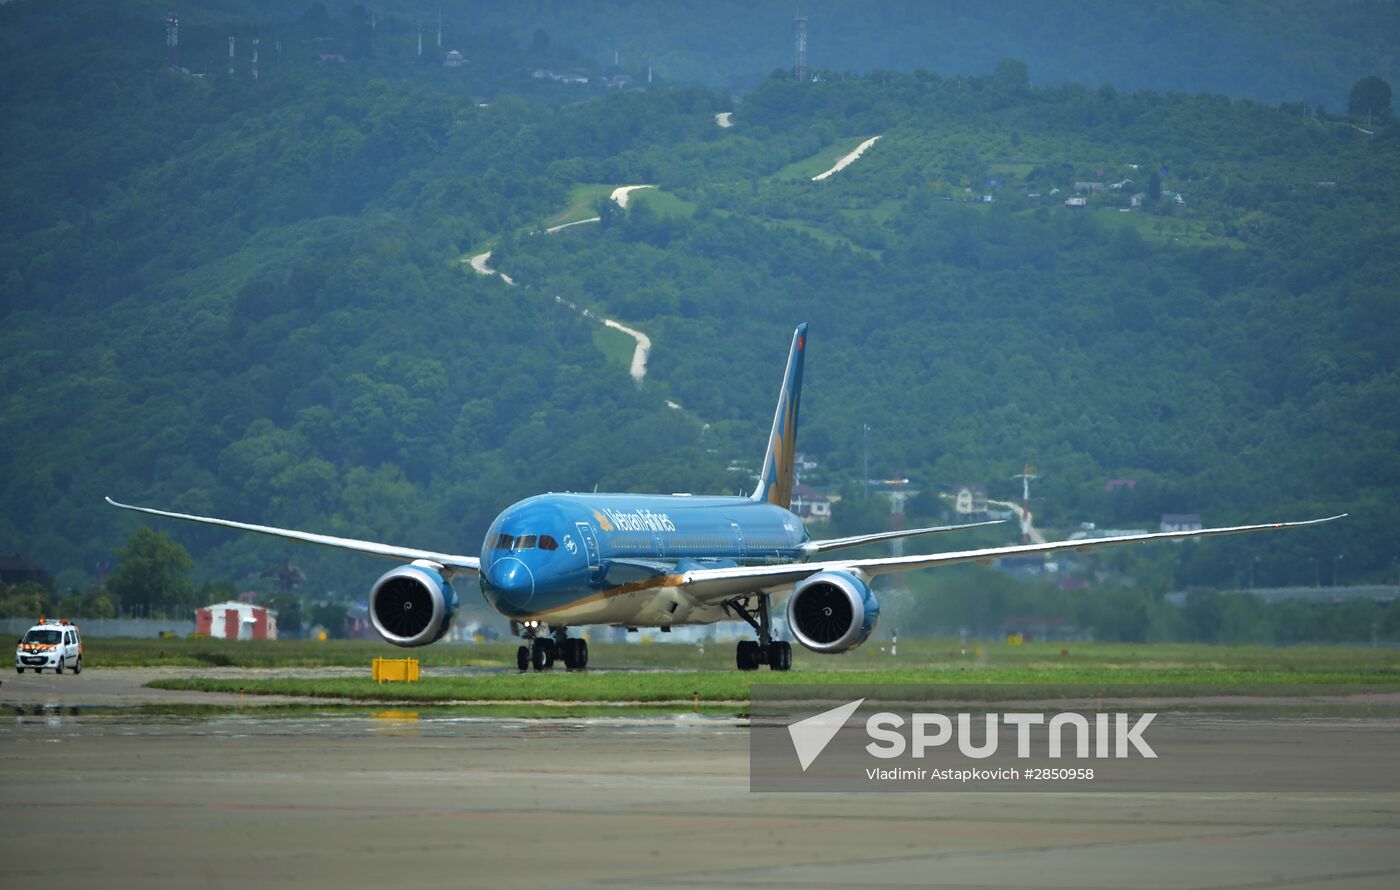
x=526 y=542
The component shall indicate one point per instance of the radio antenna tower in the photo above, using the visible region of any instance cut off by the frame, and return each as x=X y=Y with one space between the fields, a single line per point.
x=255 y=58
x=172 y=41
x=801 y=69
x=230 y=56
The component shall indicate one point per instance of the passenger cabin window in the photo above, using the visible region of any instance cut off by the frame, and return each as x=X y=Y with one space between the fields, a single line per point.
x=548 y=543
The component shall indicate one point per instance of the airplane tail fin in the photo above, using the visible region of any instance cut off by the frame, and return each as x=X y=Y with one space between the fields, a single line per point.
x=775 y=480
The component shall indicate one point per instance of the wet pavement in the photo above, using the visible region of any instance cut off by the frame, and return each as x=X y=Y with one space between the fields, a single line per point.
x=95 y=790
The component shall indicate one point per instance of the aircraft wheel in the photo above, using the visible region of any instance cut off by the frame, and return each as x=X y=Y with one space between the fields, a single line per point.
x=542 y=654
x=780 y=656
x=575 y=654
x=746 y=656
x=522 y=658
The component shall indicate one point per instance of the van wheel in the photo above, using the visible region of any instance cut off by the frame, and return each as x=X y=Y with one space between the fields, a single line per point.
x=19 y=670
x=59 y=669
x=78 y=665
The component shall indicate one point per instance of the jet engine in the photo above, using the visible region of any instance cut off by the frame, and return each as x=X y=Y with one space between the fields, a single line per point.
x=832 y=612
x=412 y=605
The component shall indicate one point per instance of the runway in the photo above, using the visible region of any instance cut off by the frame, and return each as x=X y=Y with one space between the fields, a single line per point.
x=408 y=799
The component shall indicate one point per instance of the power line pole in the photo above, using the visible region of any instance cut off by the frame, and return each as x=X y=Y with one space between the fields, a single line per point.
x=801 y=69
x=865 y=472
x=1025 y=476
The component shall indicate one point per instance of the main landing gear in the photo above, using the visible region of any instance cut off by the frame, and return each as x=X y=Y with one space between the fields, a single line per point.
x=777 y=654
x=543 y=651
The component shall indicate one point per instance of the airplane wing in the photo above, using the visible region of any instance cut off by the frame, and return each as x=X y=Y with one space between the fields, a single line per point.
x=811 y=548
x=463 y=564
x=717 y=585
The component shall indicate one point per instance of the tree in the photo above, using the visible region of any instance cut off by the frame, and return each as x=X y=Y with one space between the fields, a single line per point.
x=331 y=616
x=1370 y=97
x=151 y=578
x=1013 y=73
x=287 y=605
x=27 y=600
x=610 y=213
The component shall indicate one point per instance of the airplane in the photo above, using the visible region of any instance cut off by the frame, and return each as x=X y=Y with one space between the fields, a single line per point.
x=559 y=561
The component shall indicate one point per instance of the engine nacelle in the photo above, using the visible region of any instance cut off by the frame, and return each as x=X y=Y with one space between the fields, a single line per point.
x=412 y=605
x=832 y=612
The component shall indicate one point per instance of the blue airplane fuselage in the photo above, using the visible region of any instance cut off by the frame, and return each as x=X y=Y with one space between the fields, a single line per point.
x=610 y=557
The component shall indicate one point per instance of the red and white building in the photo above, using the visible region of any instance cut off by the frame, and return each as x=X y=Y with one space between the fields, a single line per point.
x=236 y=621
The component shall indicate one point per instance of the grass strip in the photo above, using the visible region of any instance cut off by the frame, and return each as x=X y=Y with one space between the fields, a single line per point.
x=732 y=686
x=935 y=654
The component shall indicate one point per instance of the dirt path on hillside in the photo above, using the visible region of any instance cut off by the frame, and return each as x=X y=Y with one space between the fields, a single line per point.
x=479 y=262
x=638 y=370
x=847 y=160
x=578 y=222
x=623 y=193
x=1029 y=530
x=642 y=352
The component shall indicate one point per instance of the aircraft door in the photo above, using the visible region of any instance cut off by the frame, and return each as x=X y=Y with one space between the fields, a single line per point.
x=738 y=538
x=590 y=544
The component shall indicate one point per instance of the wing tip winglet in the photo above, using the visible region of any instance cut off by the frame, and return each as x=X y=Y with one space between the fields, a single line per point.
x=1321 y=520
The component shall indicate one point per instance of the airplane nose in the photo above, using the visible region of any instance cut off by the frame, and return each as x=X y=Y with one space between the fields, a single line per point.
x=512 y=579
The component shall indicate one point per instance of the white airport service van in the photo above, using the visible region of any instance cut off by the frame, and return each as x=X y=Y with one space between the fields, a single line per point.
x=50 y=644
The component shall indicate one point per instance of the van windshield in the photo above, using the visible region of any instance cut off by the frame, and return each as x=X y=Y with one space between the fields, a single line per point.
x=43 y=636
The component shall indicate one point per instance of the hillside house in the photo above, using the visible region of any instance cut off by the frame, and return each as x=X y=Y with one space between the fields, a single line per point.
x=970 y=499
x=810 y=505
x=15 y=569
x=1181 y=522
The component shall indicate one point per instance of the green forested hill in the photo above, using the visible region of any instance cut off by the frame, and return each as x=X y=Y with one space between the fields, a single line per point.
x=1270 y=50
x=1235 y=353
x=249 y=299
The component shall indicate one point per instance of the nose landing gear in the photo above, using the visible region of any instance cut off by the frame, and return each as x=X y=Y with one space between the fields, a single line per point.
x=777 y=654
x=543 y=651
